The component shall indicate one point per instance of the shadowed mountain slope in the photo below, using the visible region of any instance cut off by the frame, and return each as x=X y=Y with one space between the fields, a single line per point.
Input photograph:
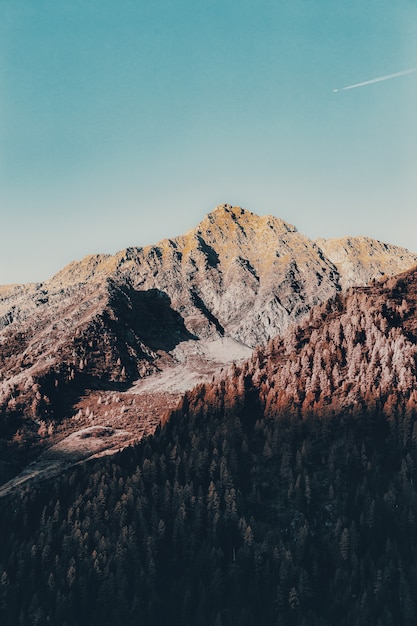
x=282 y=493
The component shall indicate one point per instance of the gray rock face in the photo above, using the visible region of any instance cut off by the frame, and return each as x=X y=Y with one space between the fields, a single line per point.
x=361 y=259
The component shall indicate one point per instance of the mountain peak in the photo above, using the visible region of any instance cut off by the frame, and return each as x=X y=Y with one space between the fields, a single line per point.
x=226 y=212
x=227 y=219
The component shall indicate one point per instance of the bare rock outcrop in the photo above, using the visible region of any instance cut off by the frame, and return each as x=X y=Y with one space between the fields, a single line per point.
x=361 y=259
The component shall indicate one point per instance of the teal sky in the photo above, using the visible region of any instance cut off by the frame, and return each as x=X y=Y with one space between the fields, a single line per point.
x=125 y=122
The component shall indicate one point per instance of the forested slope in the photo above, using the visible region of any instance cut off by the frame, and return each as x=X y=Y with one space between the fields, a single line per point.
x=282 y=494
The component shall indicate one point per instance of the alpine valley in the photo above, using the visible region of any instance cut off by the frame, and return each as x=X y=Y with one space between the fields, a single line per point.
x=246 y=399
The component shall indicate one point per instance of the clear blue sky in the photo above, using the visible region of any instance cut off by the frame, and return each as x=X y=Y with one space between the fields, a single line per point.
x=125 y=122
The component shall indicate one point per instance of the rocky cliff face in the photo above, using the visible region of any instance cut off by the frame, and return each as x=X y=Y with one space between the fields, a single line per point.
x=189 y=304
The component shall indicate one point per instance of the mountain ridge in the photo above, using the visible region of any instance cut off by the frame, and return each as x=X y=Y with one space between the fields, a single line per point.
x=232 y=246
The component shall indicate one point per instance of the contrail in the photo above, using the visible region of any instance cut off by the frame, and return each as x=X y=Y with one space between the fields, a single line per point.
x=377 y=80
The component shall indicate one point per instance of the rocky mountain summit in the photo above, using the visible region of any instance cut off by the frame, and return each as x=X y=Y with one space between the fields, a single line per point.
x=235 y=274
x=166 y=315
